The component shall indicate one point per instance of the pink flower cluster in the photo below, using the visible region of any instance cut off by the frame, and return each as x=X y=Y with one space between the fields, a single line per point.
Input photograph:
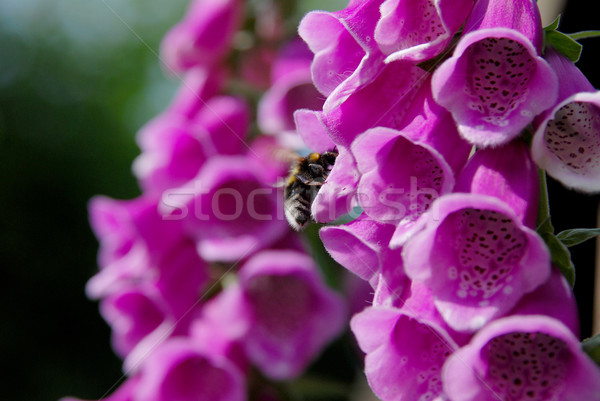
x=431 y=124
x=201 y=279
x=441 y=113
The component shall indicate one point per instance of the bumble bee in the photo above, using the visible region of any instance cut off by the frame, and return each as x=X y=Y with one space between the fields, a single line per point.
x=305 y=179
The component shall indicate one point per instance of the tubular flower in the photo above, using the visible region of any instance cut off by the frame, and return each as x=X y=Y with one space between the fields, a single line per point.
x=405 y=347
x=567 y=138
x=418 y=30
x=496 y=82
x=555 y=299
x=138 y=247
x=180 y=370
x=361 y=246
x=522 y=358
x=337 y=196
x=231 y=211
x=280 y=312
x=203 y=37
x=507 y=173
x=405 y=175
x=291 y=89
x=476 y=257
x=139 y=317
x=175 y=145
x=351 y=110
x=293 y=314
x=343 y=44
x=312 y=130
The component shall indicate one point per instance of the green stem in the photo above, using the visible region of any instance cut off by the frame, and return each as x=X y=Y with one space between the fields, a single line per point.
x=543 y=204
x=584 y=35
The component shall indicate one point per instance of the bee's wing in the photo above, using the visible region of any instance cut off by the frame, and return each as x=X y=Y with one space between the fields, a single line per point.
x=286 y=155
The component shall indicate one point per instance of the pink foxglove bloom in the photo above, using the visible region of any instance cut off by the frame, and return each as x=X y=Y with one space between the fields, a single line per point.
x=352 y=110
x=280 y=311
x=361 y=246
x=567 y=139
x=343 y=44
x=355 y=113
x=292 y=313
x=139 y=318
x=496 y=82
x=311 y=128
x=476 y=257
x=555 y=299
x=291 y=89
x=400 y=177
x=137 y=246
x=175 y=146
x=405 y=348
x=418 y=30
x=230 y=209
x=337 y=196
x=198 y=85
x=506 y=172
x=179 y=369
x=522 y=358
x=203 y=36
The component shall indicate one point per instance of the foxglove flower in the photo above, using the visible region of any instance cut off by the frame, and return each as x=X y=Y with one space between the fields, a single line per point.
x=405 y=348
x=139 y=318
x=506 y=172
x=337 y=197
x=400 y=178
x=203 y=36
x=394 y=86
x=408 y=169
x=179 y=369
x=361 y=246
x=292 y=313
x=351 y=110
x=291 y=89
x=555 y=299
x=522 y=357
x=230 y=211
x=476 y=257
x=138 y=246
x=311 y=129
x=567 y=139
x=197 y=87
x=343 y=44
x=280 y=311
x=418 y=30
x=175 y=146
x=496 y=82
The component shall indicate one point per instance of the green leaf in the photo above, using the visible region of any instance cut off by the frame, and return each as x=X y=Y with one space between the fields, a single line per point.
x=564 y=44
x=576 y=236
x=591 y=346
x=553 y=25
x=561 y=257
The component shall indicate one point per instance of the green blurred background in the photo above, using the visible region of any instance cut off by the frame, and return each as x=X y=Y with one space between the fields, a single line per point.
x=77 y=80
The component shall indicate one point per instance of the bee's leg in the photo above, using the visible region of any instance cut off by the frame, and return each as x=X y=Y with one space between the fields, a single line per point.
x=316 y=169
x=306 y=180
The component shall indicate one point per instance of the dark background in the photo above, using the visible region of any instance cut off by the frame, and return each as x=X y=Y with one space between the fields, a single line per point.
x=72 y=96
